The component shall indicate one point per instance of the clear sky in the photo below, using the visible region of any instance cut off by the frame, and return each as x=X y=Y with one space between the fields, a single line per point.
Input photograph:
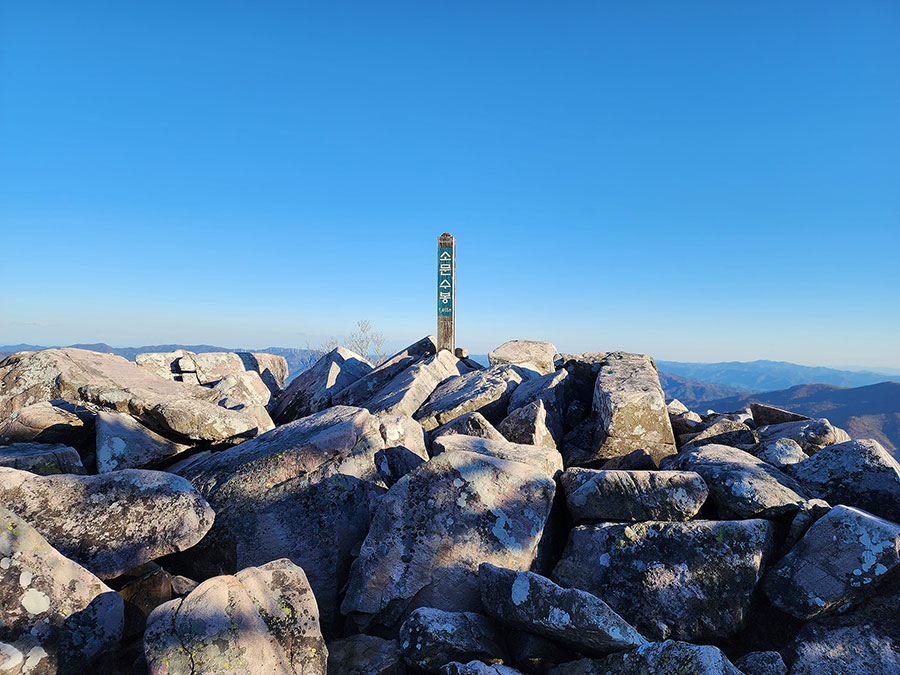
x=701 y=181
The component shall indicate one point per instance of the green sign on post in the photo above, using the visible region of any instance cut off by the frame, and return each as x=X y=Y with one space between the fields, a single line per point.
x=445 y=281
x=446 y=293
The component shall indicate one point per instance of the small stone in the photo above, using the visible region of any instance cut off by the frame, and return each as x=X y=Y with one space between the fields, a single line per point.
x=431 y=638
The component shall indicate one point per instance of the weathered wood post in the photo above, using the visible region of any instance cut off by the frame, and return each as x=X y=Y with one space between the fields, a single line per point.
x=446 y=292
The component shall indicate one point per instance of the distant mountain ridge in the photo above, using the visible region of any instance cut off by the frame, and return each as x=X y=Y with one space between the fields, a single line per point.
x=690 y=391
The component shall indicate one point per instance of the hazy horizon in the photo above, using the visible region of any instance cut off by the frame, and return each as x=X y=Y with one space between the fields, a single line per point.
x=695 y=181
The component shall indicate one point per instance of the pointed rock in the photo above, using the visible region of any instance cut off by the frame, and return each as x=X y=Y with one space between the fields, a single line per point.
x=485 y=391
x=405 y=393
x=764 y=415
x=470 y=424
x=528 y=425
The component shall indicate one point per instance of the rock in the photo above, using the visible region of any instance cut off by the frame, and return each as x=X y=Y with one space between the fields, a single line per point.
x=477 y=668
x=241 y=390
x=540 y=457
x=812 y=435
x=553 y=390
x=364 y=655
x=810 y=511
x=631 y=408
x=111 y=522
x=202 y=420
x=665 y=658
x=405 y=393
x=148 y=591
x=310 y=392
x=54 y=614
x=519 y=352
x=761 y=663
x=724 y=432
x=633 y=495
x=273 y=369
x=676 y=407
x=528 y=601
x=182 y=585
x=470 y=424
x=862 y=641
x=49 y=422
x=125 y=443
x=534 y=654
x=528 y=425
x=576 y=412
x=163 y=364
x=405 y=447
x=685 y=423
x=360 y=391
x=688 y=581
x=840 y=560
x=431 y=638
x=741 y=484
x=485 y=391
x=214 y=366
x=637 y=460
x=855 y=473
x=41 y=458
x=578 y=446
x=261 y=620
x=764 y=415
x=437 y=524
x=780 y=453
x=304 y=491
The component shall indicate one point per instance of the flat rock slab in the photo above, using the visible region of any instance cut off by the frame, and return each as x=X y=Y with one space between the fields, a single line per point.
x=633 y=495
x=111 y=522
x=665 y=658
x=41 y=458
x=431 y=638
x=842 y=559
x=689 y=581
x=310 y=392
x=740 y=484
x=530 y=602
x=437 y=524
x=49 y=422
x=764 y=414
x=855 y=473
x=631 y=408
x=546 y=459
x=406 y=392
x=470 y=424
x=261 y=620
x=124 y=443
x=53 y=612
x=486 y=391
x=541 y=355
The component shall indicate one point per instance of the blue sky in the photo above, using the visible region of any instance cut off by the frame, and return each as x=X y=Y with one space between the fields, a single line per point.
x=700 y=181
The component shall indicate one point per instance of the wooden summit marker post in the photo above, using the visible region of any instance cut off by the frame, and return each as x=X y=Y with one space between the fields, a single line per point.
x=446 y=292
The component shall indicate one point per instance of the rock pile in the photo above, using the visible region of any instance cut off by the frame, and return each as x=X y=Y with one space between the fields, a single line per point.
x=548 y=513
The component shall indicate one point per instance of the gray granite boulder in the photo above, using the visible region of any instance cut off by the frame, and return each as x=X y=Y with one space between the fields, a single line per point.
x=261 y=620
x=631 y=408
x=761 y=663
x=856 y=473
x=528 y=601
x=486 y=391
x=842 y=559
x=55 y=616
x=57 y=422
x=740 y=484
x=124 y=443
x=240 y=390
x=197 y=420
x=41 y=458
x=437 y=524
x=780 y=453
x=528 y=425
x=724 y=432
x=633 y=495
x=554 y=391
x=311 y=391
x=812 y=435
x=541 y=355
x=431 y=638
x=111 y=522
x=662 y=658
x=364 y=655
x=407 y=391
x=546 y=459
x=470 y=424
x=689 y=581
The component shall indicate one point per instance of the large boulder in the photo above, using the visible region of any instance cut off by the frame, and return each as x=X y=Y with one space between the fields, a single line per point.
x=665 y=658
x=631 y=408
x=843 y=557
x=431 y=638
x=529 y=353
x=546 y=459
x=470 y=424
x=49 y=422
x=112 y=382
x=310 y=392
x=856 y=473
x=124 y=443
x=486 y=391
x=780 y=453
x=740 y=484
x=41 y=458
x=723 y=432
x=406 y=447
x=261 y=620
x=111 y=522
x=530 y=602
x=364 y=655
x=633 y=495
x=360 y=391
x=304 y=491
x=242 y=389
x=405 y=393
x=812 y=435
x=272 y=368
x=529 y=425
x=437 y=524
x=55 y=616
x=687 y=581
